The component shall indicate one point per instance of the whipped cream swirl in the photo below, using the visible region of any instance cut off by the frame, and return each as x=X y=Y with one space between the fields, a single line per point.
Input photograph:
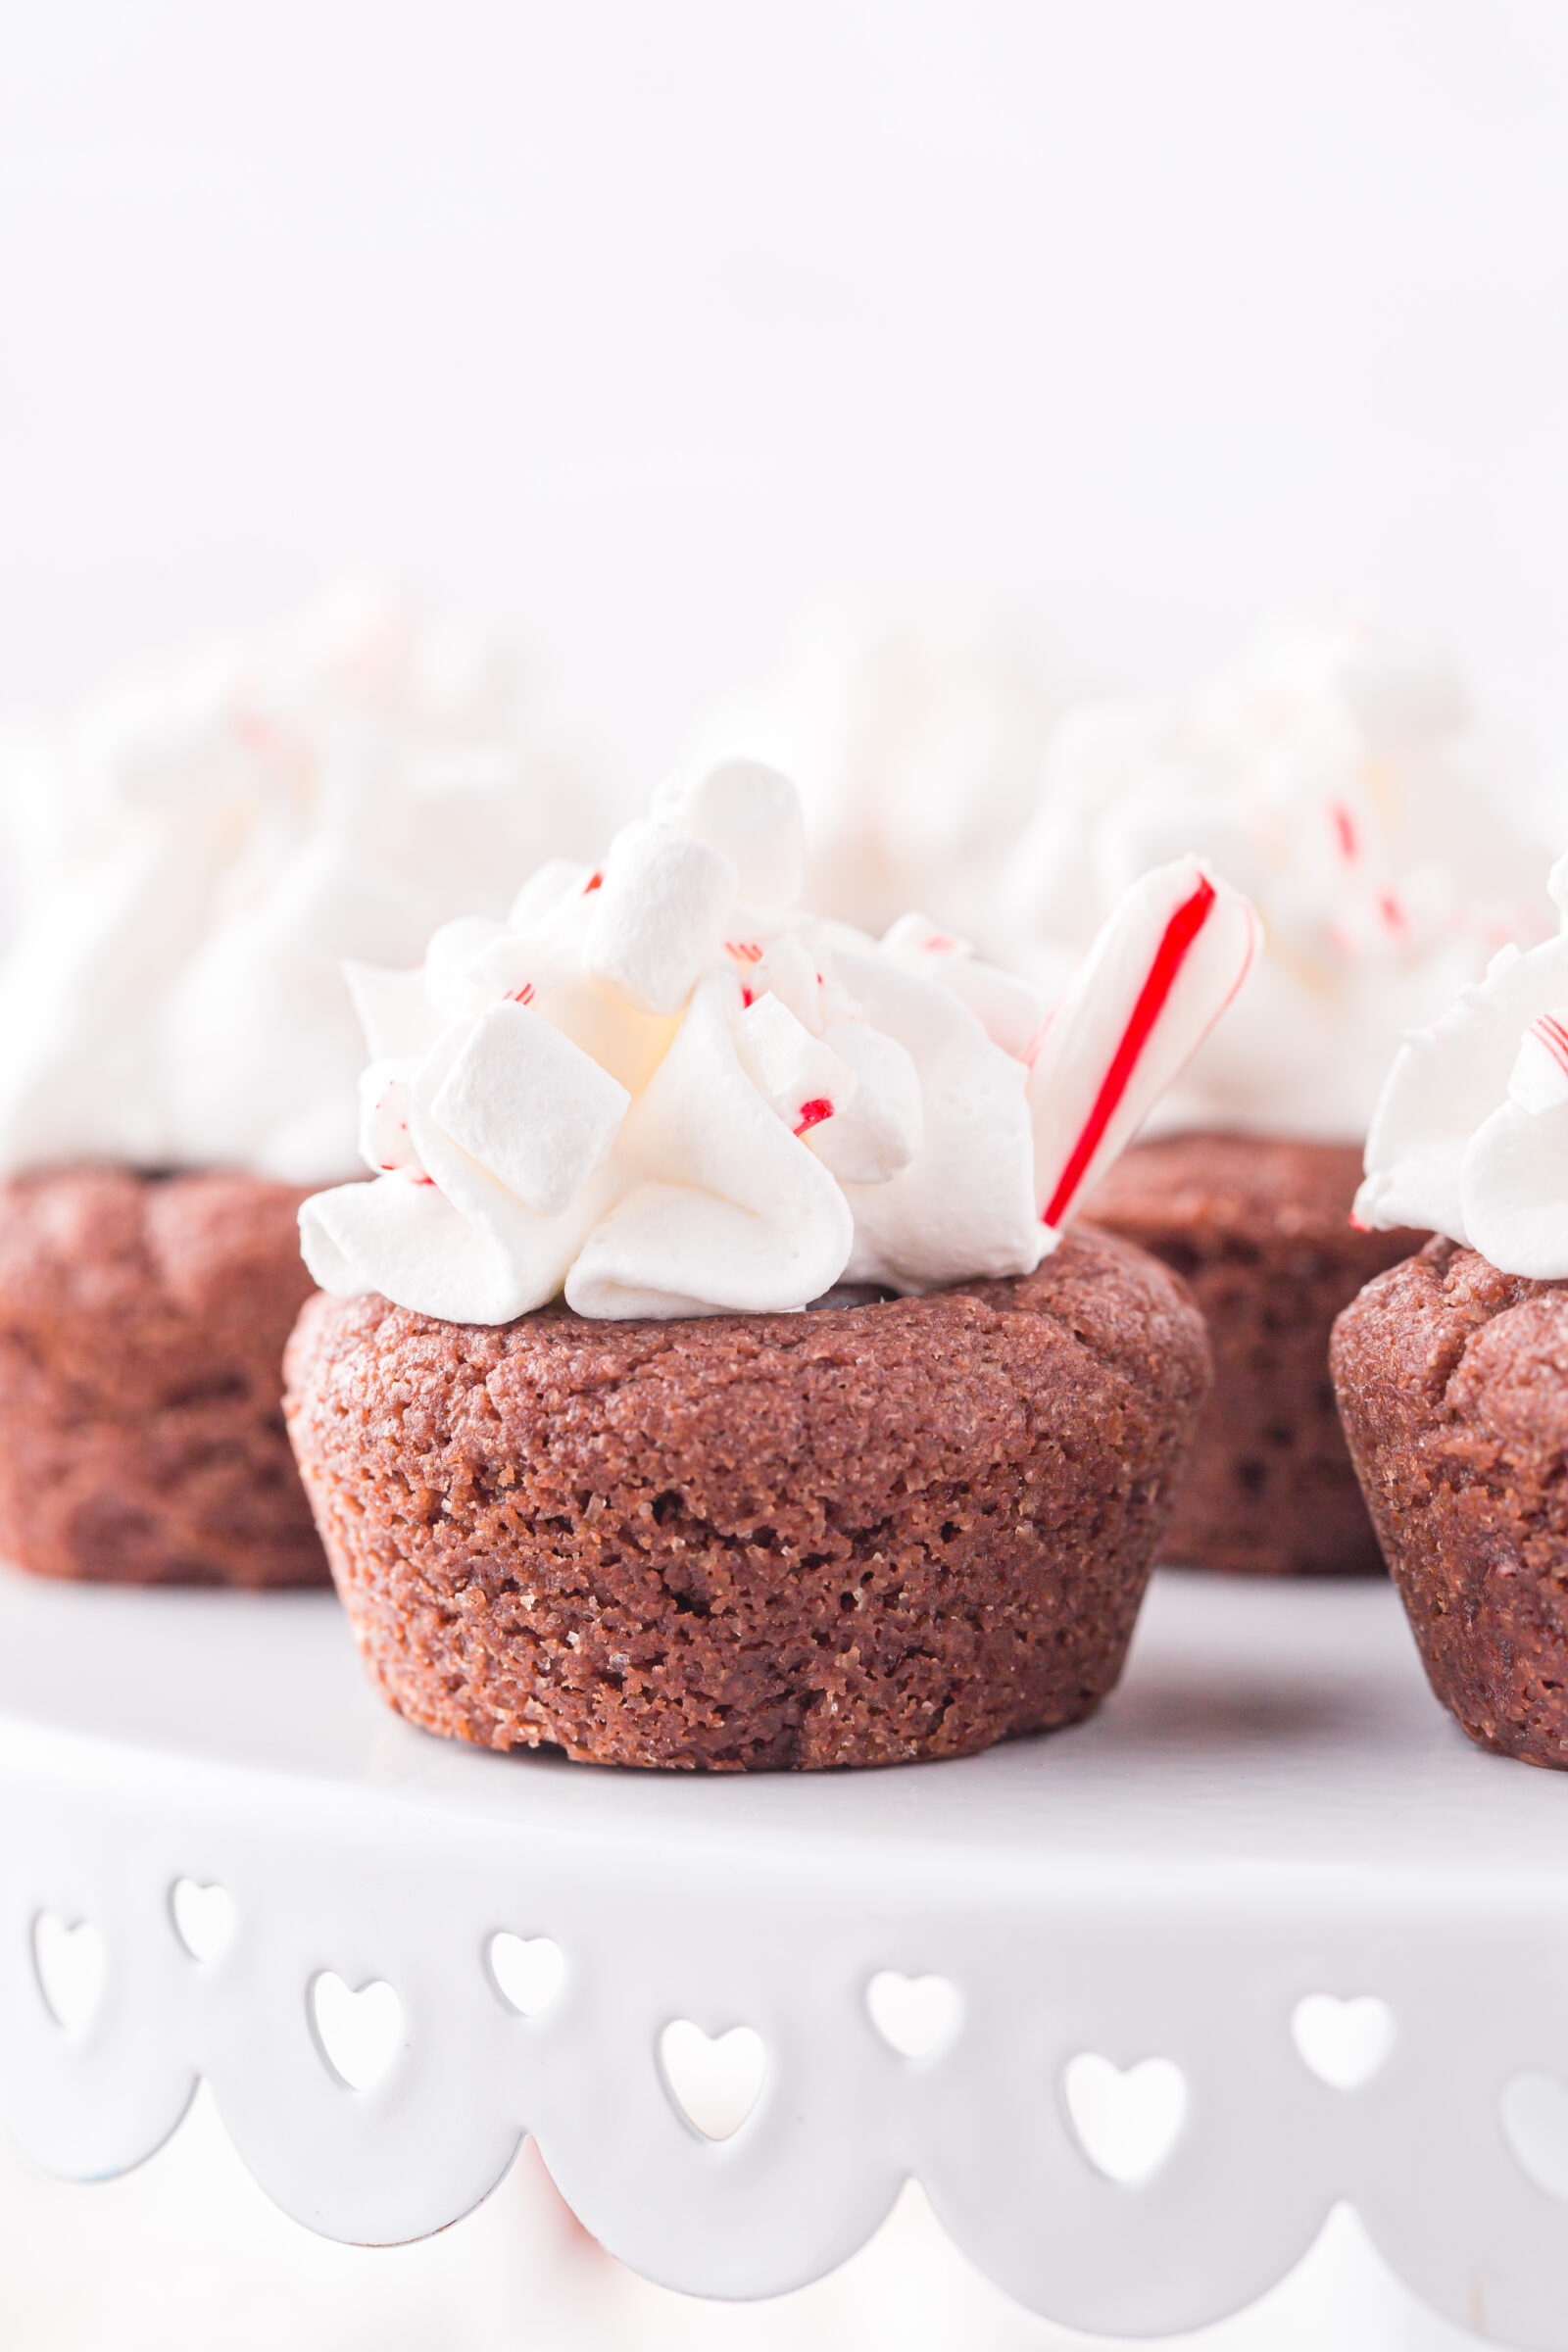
x=1471 y=1135
x=660 y=1089
x=1338 y=778
x=199 y=852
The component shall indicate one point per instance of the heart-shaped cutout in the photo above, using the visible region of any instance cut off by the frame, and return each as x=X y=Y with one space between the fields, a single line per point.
x=527 y=1970
x=918 y=2015
x=203 y=1917
x=1343 y=2043
x=714 y=2079
x=1127 y=2118
x=1535 y=2124
x=358 y=2029
x=72 y=1966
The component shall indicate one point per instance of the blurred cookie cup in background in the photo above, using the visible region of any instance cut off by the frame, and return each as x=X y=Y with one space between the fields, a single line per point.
x=1337 y=777
x=196 y=856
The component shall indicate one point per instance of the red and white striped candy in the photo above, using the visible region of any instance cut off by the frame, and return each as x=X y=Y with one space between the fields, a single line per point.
x=1538 y=1081
x=1161 y=970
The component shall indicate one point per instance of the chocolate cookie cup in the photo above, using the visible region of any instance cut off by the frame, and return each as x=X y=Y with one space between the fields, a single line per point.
x=1260 y=1229
x=142 y=1325
x=1452 y=1379
x=859 y=1535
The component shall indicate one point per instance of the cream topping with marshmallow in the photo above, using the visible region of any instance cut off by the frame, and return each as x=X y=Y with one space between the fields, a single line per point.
x=659 y=1088
x=199 y=854
x=1471 y=1134
x=1338 y=778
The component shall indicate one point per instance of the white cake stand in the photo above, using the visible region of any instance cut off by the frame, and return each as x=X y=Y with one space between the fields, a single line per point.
x=1137 y=2003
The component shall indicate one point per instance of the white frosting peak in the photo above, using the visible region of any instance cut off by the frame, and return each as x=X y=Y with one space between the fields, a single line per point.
x=659 y=1093
x=204 y=848
x=1471 y=1134
x=1336 y=778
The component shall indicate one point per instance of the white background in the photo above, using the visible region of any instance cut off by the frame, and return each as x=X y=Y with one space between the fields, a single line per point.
x=630 y=319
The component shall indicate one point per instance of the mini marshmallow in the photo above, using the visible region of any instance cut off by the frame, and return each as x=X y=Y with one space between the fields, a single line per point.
x=657 y=919
x=752 y=814
x=533 y=1109
x=797 y=1076
x=384 y=1142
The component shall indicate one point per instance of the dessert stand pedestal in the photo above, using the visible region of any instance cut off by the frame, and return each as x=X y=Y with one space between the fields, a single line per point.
x=1137 y=2003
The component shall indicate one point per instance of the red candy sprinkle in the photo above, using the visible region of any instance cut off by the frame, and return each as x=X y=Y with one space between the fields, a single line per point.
x=812 y=1113
x=522 y=995
x=595 y=881
x=1344 y=826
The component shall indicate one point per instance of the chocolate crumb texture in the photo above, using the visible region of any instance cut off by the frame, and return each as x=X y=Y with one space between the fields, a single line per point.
x=1260 y=1229
x=1452 y=1379
x=861 y=1535
x=142 y=1324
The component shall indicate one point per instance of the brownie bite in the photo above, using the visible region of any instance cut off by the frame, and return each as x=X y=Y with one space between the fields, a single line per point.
x=1261 y=1228
x=865 y=1535
x=1452 y=1379
x=142 y=1325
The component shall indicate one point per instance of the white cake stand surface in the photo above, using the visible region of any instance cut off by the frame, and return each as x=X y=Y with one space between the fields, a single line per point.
x=1137 y=2004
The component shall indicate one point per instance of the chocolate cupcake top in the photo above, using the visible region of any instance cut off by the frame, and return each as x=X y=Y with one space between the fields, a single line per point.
x=198 y=853
x=1336 y=775
x=1471 y=1134
x=659 y=1088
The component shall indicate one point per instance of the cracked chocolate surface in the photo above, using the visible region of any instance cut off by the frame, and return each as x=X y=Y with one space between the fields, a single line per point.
x=1452 y=1379
x=1260 y=1229
x=859 y=1535
x=143 y=1323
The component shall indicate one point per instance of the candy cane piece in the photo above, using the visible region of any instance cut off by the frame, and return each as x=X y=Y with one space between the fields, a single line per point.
x=1538 y=1080
x=1160 y=974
